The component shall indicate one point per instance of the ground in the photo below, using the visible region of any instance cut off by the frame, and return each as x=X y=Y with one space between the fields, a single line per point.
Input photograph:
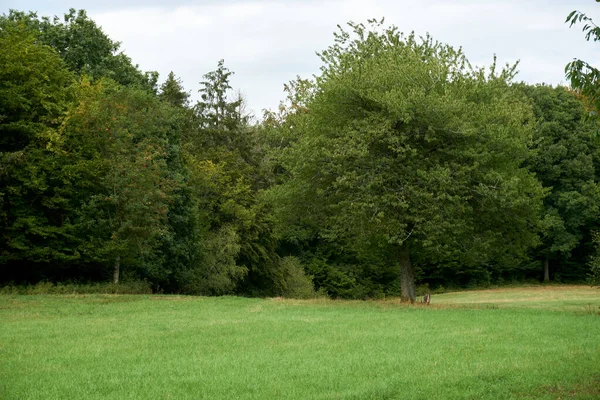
x=519 y=343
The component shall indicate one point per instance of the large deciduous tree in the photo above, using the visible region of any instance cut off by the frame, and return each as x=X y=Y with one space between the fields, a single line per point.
x=407 y=148
x=115 y=143
x=564 y=158
x=583 y=76
x=84 y=47
x=35 y=91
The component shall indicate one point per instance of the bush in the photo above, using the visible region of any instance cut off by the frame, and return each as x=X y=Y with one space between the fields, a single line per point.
x=594 y=264
x=217 y=273
x=297 y=285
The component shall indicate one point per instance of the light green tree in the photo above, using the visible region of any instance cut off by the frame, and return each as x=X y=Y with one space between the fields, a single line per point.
x=407 y=148
x=583 y=76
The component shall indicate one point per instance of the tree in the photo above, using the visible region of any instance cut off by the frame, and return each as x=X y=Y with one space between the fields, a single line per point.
x=238 y=245
x=84 y=47
x=582 y=75
x=563 y=159
x=172 y=91
x=215 y=112
x=115 y=141
x=406 y=148
x=103 y=190
x=35 y=91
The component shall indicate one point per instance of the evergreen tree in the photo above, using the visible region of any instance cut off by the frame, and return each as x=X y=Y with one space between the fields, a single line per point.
x=239 y=249
x=172 y=91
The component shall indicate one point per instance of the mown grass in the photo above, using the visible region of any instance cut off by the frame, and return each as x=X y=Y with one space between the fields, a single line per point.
x=503 y=344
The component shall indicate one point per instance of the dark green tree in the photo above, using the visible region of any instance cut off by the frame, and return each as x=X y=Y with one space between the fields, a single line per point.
x=564 y=159
x=172 y=91
x=84 y=47
x=35 y=90
x=115 y=142
x=216 y=112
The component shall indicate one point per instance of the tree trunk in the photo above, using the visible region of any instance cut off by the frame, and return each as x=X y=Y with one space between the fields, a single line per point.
x=117 y=269
x=546 y=270
x=407 y=275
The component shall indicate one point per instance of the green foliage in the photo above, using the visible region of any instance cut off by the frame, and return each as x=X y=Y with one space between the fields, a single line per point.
x=564 y=158
x=297 y=285
x=594 y=264
x=35 y=88
x=582 y=75
x=215 y=112
x=218 y=273
x=107 y=183
x=340 y=272
x=400 y=146
x=226 y=177
x=398 y=160
x=172 y=91
x=115 y=142
x=84 y=47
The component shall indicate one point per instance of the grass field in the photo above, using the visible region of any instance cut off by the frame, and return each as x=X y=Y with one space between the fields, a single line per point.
x=527 y=343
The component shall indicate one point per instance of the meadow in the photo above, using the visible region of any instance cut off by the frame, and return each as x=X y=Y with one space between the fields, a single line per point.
x=517 y=343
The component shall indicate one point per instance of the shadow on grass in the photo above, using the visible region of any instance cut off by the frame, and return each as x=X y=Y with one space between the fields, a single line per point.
x=581 y=391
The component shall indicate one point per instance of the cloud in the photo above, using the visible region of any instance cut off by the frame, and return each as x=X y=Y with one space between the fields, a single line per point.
x=267 y=43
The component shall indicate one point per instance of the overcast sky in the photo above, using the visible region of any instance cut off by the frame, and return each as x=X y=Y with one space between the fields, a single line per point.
x=267 y=43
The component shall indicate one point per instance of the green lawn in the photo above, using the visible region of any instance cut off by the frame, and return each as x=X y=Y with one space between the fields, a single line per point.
x=530 y=343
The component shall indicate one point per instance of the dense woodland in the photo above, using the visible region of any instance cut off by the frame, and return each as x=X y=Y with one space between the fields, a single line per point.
x=399 y=165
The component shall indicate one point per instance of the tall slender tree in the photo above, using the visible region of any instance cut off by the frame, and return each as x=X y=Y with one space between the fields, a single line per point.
x=226 y=176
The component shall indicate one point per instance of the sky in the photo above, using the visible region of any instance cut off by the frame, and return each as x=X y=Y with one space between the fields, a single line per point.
x=268 y=43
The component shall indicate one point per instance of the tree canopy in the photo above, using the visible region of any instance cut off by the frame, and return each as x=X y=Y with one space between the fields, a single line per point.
x=400 y=150
x=399 y=168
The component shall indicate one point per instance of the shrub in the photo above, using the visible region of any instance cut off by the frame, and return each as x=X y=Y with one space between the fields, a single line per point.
x=297 y=284
x=594 y=263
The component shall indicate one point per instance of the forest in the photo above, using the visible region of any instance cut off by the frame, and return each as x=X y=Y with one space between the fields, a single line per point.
x=399 y=168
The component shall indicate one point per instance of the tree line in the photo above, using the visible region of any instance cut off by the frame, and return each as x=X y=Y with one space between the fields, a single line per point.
x=400 y=164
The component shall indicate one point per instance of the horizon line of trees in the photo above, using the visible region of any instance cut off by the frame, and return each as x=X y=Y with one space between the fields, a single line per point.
x=398 y=165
